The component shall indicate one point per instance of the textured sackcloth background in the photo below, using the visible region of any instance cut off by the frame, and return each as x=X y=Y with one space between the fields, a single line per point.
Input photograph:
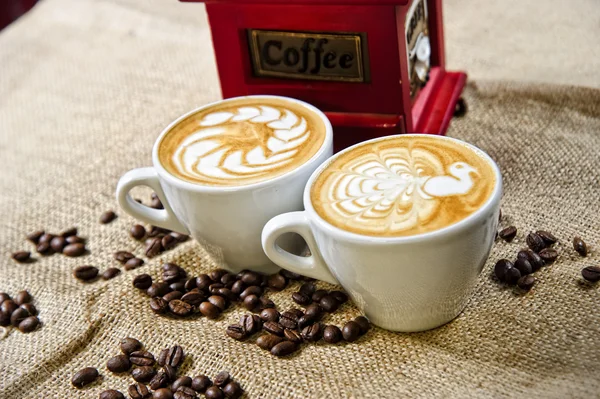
x=86 y=86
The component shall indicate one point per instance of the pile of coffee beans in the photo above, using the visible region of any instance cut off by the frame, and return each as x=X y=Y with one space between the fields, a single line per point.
x=67 y=243
x=158 y=239
x=18 y=312
x=157 y=377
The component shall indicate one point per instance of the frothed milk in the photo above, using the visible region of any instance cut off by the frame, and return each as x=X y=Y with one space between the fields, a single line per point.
x=240 y=142
x=403 y=186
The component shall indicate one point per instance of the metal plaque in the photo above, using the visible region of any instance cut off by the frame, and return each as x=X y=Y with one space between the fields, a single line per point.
x=309 y=55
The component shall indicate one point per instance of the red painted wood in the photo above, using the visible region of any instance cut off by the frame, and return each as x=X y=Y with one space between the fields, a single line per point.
x=12 y=9
x=401 y=43
x=382 y=95
x=436 y=33
x=318 y=2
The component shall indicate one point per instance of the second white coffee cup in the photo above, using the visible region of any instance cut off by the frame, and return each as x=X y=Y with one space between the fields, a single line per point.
x=228 y=219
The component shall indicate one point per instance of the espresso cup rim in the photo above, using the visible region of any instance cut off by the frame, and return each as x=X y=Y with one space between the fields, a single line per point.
x=327 y=142
x=457 y=227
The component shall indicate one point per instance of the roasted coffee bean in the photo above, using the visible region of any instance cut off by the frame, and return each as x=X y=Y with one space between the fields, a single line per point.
x=535 y=242
x=143 y=374
x=22 y=297
x=159 y=305
x=172 y=272
x=301 y=298
x=252 y=290
x=129 y=345
x=296 y=312
x=183 y=381
x=118 y=364
x=591 y=273
x=351 y=331
x=251 y=278
x=190 y=284
x=251 y=323
x=512 y=276
x=580 y=246
x=107 y=217
x=180 y=308
x=548 y=237
x=142 y=281
x=523 y=266
x=312 y=333
x=238 y=287
x=363 y=323
x=292 y=335
x=46 y=238
x=193 y=298
x=214 y=288
x=536 y=261
x=170 y=371
x=29 y=324
x=110 y=273
x=524 y=254
x=21 y=256
x=265 y=303
x=200 y=383
x=501 y=267
x=226 y=293
x=209 y=310
x=159 y=232
x=35 y=236
x=526 y=282
x=228 y=278
x=158 y=289
x=69 y=232
x=84 y=377
x=273 y=328
x=18 y=316
x=236 y=331
x=268 y=341
x=508 y=233
x=549 y=255
x=290 y=275
x=85 y=273
x=233 y=390
x=276 y=282
x=133 y=263
x=318 y=295
x=185 y=393
x=4 y=318
x=173 y=295
x=160 y=380
x=9 y=306
x=251 y=302
x=332 y=334
x=221 y=379
x=153 y=247
x=179 y=237
x=123 y=256
x=214 y=392
x=178 y=286
x=155 y=202
x=341 y=296
x=288 y=322
x=168 y=242
x=138 y=391
x=75 y=240
x=313 y=312
x=4 y=296
x=142 y=358
x=305 y=321
x=44 y=248
x=74 y=250
x=216 y=274
x=308 y=288
x=162 y=393
x=269 y=314
x=174 y=356
x=138 y=232
x=218 y=301
x=111 y=394
x=329 y=303
x=30 y=308
x=284 y=348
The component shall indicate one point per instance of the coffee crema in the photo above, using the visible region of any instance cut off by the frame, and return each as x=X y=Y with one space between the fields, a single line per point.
x=402 y=186
x=243 y=141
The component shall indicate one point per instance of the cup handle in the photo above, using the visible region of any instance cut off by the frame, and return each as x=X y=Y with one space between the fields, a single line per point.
x=295 y=222
x=164 y=218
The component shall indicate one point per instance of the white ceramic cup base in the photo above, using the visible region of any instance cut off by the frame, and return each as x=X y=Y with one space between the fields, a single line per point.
x=411 y=283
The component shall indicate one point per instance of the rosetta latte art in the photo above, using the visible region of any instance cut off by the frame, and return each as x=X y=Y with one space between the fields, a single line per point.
x=397 y=190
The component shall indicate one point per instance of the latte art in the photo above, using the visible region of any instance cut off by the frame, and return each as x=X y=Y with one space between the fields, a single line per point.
x=402 y=186
x=242 y=142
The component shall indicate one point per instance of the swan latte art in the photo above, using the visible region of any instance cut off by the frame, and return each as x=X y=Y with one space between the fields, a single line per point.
x=241 y=142
x=402 y=186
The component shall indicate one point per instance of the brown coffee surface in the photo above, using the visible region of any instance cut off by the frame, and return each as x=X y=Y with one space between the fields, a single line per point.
x=403 y=186
x=241 y=142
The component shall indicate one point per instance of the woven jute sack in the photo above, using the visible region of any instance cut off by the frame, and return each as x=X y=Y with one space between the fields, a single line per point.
x=84 y=103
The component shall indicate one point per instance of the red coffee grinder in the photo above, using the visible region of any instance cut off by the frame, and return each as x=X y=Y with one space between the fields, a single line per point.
x=376 y=67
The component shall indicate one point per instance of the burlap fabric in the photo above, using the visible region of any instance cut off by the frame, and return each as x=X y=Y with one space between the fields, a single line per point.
x=86 y=87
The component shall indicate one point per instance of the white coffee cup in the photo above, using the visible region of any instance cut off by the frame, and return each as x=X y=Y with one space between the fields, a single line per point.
x=227 y=220
x=410 y=283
